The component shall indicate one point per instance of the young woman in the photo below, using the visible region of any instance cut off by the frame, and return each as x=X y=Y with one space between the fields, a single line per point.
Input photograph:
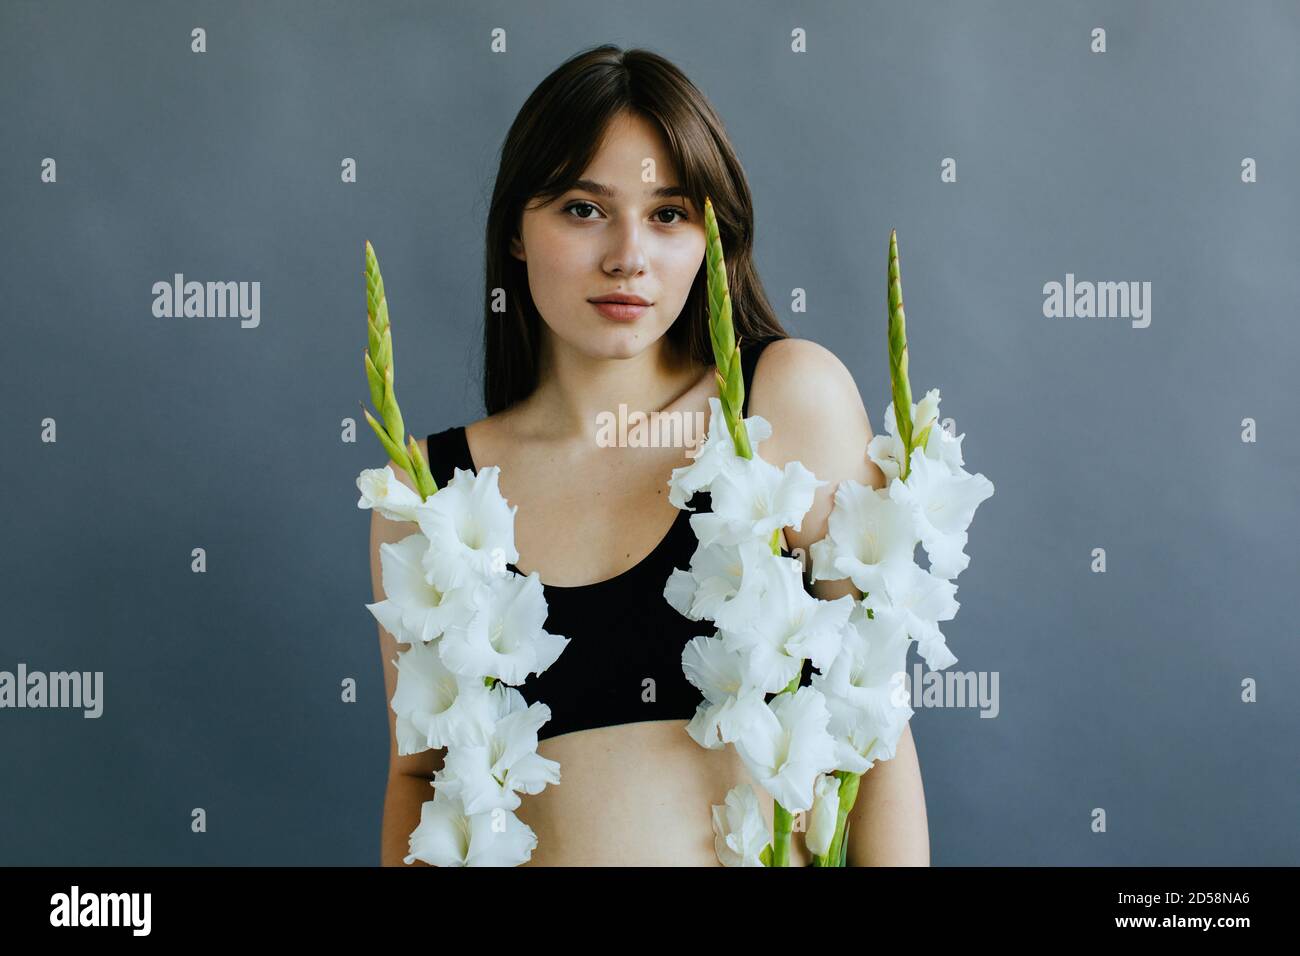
x=595 y=238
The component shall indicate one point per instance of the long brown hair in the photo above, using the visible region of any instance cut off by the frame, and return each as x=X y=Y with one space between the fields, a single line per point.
x=552 y=141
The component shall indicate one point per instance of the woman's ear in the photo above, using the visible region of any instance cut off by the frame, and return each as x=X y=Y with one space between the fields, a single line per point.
x=517 y=249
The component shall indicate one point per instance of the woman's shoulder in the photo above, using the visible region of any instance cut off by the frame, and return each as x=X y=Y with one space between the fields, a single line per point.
x=809 y=397
x=799 y=374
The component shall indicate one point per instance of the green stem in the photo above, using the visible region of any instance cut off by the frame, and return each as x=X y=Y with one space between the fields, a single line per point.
x=722 y=335
x=848 y=796
x=898 y=381
x=379 y=374
x=781 y=823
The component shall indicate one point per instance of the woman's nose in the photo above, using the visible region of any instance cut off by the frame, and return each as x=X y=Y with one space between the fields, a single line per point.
x=626 y=255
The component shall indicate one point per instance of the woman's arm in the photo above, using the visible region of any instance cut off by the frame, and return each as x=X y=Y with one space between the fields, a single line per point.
x=818 y=418
x=403 y=798
x=887 y=825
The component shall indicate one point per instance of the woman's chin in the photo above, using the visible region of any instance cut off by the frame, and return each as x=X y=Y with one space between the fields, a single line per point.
x=619 y=341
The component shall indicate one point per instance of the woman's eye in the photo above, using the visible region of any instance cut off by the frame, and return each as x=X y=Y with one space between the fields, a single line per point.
x=673 y=209
x=670 y=210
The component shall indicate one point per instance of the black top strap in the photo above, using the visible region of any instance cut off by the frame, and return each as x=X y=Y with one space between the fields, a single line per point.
x=749 y=353
x=448 y=450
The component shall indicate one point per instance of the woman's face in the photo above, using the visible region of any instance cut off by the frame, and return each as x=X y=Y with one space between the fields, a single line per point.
x=614 y=234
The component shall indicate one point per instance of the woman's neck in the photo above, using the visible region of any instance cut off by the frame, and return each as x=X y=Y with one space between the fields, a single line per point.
x=575 y=390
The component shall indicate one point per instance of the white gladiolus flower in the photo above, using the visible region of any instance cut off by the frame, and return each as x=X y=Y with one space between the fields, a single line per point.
x=382 y=490
x=866 y=528
x=825 y=808
x=866 y=691
x=911 y=598
x=788 y=746
x=471 y=529
x=493 y=775
x=887 y=450
x=731 y=705
x=716 y=456
x=794 y=625
x=942 y=506
x=926 y=412
x=753 y=499
x=944 y=448
x=447 y=836
x=725 y=583
x=434 y=706
x=859 y=741
x=413 y=609
x=739 y=833
x=504 y=638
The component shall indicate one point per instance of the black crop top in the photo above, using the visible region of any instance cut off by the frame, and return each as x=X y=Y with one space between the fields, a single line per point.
x=588 y=686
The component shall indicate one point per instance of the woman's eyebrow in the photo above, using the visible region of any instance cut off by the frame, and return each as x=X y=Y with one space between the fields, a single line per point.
x=609 y=192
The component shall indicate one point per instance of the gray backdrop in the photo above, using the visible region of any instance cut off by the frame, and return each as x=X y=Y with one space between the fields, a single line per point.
x=1120 y=691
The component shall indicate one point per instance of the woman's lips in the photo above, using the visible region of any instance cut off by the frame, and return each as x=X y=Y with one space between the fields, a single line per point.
x=620 y=311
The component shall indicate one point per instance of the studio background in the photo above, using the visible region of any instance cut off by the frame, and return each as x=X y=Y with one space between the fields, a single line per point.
x=1119 y=690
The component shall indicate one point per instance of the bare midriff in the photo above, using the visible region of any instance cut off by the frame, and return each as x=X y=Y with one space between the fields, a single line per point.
x=637 y=795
